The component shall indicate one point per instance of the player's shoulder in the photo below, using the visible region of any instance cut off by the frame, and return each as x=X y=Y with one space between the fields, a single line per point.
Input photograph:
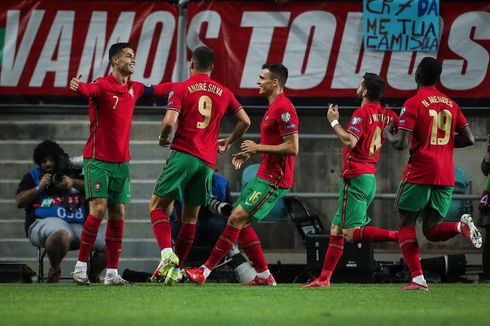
x=389 y=111
x=412 y=101
x=361 y=111
x=137 y=83
x=285 y=103
x=178 y=87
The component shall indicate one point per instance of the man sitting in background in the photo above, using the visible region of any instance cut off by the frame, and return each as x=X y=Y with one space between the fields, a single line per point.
x=52 y=197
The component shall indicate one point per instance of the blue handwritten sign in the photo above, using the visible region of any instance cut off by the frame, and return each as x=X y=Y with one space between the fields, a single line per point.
x=401 y=25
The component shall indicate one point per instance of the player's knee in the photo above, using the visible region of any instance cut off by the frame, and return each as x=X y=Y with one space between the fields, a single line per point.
x=237 y=221
x=98 y=209
x=348 y=234
x=348 y=237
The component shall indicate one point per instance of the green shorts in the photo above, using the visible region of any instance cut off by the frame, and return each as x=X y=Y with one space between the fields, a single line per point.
x=185 y=178
x=415 y=197
x=356 y=194
x=107 y=180
x=259 y=197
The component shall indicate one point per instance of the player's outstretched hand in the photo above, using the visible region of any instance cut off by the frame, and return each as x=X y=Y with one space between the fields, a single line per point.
x=238 y=159
x=333 y=113
x=223 y=145
x=74 y=82
x=249 y=147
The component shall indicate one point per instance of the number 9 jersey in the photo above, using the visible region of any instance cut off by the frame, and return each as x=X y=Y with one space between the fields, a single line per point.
x=201 y=103
x=433 y=118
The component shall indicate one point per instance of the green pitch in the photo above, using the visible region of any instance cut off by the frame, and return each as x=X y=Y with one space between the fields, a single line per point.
x=230 y=304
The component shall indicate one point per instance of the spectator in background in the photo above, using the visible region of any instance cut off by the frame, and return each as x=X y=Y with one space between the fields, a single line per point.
x=55 y=208
x=484 y=217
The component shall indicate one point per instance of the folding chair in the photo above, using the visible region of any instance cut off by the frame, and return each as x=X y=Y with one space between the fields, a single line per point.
x=41 y=252
x=305 y=223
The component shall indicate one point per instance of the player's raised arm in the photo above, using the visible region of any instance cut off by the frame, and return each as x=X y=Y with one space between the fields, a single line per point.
x=347 y=138
x=85 y=89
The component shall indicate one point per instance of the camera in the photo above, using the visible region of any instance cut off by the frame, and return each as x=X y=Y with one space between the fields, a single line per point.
x=65 y=166
x=244 y=271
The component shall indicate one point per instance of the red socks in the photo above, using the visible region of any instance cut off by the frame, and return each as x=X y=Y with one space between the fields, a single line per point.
x=184 y=241
x=374 y=234
x=113 y=242
x=410 y=250
x=332 y=257
x=161 y=228
x=87 y=239
x=250 y=243
x=443 y=231
x=224 y=244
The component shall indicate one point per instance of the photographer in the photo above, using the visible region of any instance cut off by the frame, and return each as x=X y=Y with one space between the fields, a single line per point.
x=484 y=217
x=52 y=196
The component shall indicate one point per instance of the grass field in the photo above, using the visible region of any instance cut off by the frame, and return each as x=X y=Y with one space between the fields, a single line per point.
x=232 y=304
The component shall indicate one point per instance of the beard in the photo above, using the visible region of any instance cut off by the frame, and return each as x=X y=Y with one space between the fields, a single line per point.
x=359 y=98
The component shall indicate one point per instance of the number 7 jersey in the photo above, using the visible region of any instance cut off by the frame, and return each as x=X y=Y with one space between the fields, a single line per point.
x=201 y=103
x=432 y=118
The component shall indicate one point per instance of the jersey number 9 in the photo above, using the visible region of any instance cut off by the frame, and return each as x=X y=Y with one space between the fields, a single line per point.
x=205 y=107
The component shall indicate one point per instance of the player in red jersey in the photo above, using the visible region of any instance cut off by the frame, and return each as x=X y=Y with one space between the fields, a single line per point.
x=362 y=145
x=279 y=146
x=435 y=125
x=111 y=105
x=195 y=109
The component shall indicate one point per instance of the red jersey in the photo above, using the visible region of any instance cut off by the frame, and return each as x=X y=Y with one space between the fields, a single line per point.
x=111 y=107
x=432 y=117
x=201 y=103
x=280 y=120
x=366 y=124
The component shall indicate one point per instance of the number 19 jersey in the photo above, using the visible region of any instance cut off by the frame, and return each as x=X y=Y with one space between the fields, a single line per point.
x=201 y=103
x=432 y=118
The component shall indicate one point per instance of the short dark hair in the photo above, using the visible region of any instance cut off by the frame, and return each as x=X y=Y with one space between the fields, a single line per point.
x=117 y=48
x=428 y=71
x=45 y=149
x=203 y=58
x=278 y=71
x=374 y=85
